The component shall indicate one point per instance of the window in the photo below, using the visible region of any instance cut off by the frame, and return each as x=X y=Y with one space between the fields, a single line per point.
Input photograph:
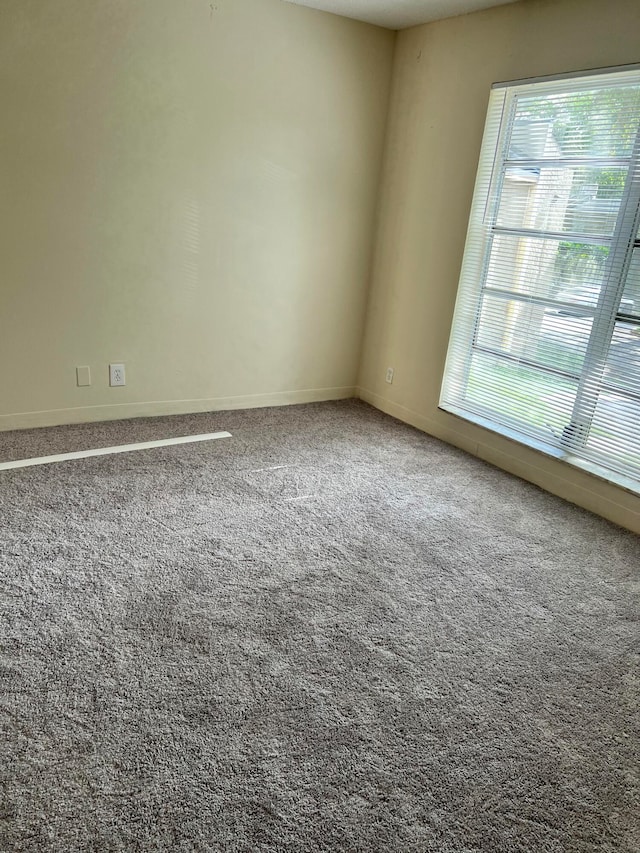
x=545 y=344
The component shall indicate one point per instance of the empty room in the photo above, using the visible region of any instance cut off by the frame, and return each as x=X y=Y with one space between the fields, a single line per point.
x=320 y=426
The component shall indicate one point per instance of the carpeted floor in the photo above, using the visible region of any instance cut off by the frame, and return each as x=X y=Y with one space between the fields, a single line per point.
x=328 y=633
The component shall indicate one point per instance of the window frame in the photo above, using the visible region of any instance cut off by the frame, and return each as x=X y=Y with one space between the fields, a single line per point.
x=570 y=445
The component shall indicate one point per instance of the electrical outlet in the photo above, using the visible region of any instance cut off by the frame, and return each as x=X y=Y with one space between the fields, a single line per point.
x=83 y=376
x=117 y=375
x=389 y=377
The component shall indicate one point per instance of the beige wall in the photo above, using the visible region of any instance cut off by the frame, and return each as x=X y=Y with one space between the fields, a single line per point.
x=187 y=186
x=442 y=77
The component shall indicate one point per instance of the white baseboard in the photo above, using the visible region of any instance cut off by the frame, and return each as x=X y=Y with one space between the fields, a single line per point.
x=409 y=416
x=88 y=414
x=572 y=484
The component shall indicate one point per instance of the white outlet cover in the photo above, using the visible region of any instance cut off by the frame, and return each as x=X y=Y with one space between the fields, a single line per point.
x=117 y=376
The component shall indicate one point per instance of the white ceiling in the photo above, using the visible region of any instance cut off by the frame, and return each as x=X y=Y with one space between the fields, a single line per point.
x=398 y=14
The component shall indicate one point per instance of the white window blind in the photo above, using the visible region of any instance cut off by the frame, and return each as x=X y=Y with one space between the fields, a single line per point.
x=545 y=343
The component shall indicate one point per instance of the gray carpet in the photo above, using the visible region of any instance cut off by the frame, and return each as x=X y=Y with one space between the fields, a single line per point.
x=328 y=633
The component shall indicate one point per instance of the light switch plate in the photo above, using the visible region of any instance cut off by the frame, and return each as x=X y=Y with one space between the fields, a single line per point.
x=83 y=376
